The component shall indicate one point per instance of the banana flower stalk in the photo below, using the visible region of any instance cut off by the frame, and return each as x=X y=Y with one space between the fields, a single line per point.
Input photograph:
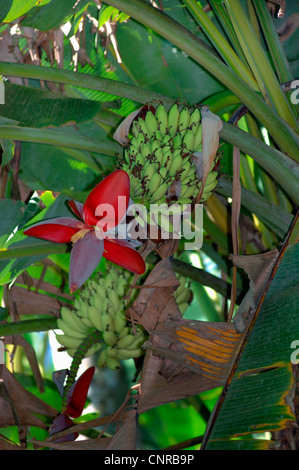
x=92 y=233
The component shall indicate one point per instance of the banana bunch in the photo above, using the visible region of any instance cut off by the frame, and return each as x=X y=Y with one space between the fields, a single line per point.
x=101 y=307
x=160 y=153
x=183 y=295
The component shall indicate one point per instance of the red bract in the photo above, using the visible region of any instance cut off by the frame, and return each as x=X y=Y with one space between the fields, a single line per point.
x=60 y=423
x=103 y=210
x=78 y=393
x=76 y=399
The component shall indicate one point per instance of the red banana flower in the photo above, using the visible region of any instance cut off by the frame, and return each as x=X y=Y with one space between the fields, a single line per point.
x=104 y=208
x=77 y=394
x=76 y=399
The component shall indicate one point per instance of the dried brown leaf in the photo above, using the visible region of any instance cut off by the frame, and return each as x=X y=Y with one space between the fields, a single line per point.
x=157 y=292
x=29 y=351
x=22 y=301
x=121 y=133
x=211 y=127
x=236 y=205
x=168 y=247
x=289 y=27
x=207 y=348
x=18 y=406
x=7 y=445
x=123 y=439
x=184 y=358
x=258 y=268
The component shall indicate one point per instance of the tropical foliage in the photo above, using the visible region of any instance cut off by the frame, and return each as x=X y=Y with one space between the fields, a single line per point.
x=174 y=349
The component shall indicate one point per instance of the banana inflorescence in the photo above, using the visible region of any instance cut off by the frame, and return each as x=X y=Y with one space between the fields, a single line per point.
x=160 y=152
x=100 y=306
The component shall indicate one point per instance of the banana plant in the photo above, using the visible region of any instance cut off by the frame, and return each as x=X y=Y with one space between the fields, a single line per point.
x=163 y=102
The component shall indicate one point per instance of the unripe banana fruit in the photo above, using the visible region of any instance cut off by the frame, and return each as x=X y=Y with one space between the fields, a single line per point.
x=100 y=307
x=167 y=141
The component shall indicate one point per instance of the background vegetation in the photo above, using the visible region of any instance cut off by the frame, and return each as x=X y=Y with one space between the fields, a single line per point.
x=71 y=72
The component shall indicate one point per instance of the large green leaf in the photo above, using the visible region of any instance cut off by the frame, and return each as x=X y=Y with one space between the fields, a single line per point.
x=260 y=391
x=13 y=9
x=158 y=65
x=34 y=107
x=51 y=14
x=11 y=216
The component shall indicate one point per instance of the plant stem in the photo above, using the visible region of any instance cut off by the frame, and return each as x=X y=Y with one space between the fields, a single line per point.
x=274 y=44
x=46 y=249
x=258 y=61
x=32 y=250
x=271 y=215
x=58 y=138
x=222 y=16
x=223 y=47
x=79 y=355
x=286 y=138
x=84 y=80
x=28 y=326
x=202 y=277
x=282 y=168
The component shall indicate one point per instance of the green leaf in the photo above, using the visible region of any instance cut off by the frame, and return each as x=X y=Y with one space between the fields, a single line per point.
x=51 y=15
x=160 y=66
x=13 y=9
x=259 y=396
x=8 y=148
x=56 y=171
x=33 y=107
x=11 y=216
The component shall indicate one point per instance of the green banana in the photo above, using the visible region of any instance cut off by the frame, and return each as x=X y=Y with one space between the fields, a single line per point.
x=120 y=321
x=86 y=321
x=198 y=139
x=107 y=322
x=188 y=140
x=151 y=123
x=109 y=337
x=93 y=349
x=183 y=296
x=124 y=342
x=62 y=325
x=164 y=141
x=95 y=318
x=184 y=120
x=173 y=119
x=183 y=307
x=195 y=120
x=154 y=183
x=159 y=193
x=162 y=118
x=175 y=165
x=124 y=332
x=112 y=363
x=114 y=299
x=111 y=352
x=101 y=362
x=129 y=354
x=136 y=344
x=187 y=191
x=68 y=341
x=71 y=319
